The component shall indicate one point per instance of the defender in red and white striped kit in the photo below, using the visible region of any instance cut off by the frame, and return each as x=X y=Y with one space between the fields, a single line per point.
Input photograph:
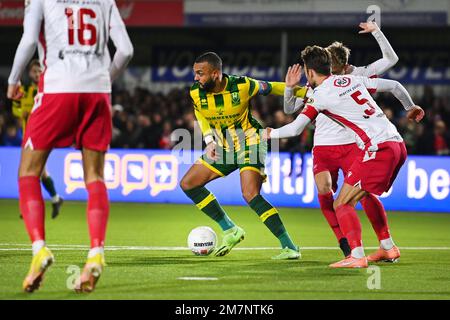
x=72 y=107
x=346 y=100
x=334 y=145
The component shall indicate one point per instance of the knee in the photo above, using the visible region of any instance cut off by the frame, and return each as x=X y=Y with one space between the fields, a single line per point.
x=324 y=187
x=338 y=202
x=248 y=195
x=93 y=175
x=187 y=183
x=184 y=184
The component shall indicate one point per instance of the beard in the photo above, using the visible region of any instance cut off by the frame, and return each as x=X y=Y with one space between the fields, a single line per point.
x=209 y=85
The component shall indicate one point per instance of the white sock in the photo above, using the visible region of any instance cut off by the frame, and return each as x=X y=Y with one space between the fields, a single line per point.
x=37 y=246
x=358 y=253
x=95 y=251
x=387 y=244
x=55 y=199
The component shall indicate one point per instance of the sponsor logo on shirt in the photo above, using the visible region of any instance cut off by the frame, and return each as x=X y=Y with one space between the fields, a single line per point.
x=342 y=82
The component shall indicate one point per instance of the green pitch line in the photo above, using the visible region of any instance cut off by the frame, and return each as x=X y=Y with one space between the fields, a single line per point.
x=142 y=265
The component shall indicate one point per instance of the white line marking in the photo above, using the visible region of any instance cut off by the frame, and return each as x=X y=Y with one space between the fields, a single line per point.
x=72 y=247
x=197 y=278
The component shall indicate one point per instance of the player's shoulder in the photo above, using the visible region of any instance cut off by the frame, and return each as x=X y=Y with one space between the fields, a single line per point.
x=195 y=86
x=235 y=83
x=363 y=71
x=237 y=79
x=195 y=91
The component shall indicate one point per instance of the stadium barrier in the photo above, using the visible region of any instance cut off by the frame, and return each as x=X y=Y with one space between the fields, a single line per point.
x=423 y=183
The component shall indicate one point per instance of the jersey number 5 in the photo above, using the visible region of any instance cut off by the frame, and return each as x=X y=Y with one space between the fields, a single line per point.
x=370 y=111
x=82 y=26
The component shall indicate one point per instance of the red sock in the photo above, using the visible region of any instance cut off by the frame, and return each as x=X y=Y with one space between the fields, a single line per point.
x=377 y=216
x=32 y=207
x=97 y=212
x=326 y=205
x=350 y=224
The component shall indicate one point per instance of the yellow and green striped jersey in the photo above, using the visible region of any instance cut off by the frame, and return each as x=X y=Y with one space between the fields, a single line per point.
x=25 y=104
x=227 y=114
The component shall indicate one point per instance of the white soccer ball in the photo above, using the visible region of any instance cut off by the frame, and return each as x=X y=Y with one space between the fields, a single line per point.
x=202 y=241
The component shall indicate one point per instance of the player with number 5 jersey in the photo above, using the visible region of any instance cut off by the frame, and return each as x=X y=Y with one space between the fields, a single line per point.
x=72 y=107
x=346 y=100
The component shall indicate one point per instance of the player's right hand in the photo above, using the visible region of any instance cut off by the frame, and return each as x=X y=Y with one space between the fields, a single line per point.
x=293 y=75
x=210 y=151
x=14 y=92
x=416 y=113
x=368 y=27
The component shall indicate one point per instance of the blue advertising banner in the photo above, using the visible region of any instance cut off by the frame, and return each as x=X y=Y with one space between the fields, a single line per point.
x=405 y=75
x=423 y=184
x=312 y=19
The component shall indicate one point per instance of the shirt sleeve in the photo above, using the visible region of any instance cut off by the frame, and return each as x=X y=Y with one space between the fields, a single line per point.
x=392 y=86
x=294 y=99
x=124 y=47
x=33 y=18
x=292 y=129
x=295 y=128
x=382 y=65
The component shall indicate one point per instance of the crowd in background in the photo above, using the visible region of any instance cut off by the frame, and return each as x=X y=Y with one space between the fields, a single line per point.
x=146 y=120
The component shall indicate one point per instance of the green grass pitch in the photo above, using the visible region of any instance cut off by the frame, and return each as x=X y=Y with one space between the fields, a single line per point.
x=138 y=269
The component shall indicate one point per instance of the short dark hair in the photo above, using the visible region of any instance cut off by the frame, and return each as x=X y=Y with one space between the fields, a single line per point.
x=34 y=62
x=212 y=58
x=339 y=53
x=317 y=59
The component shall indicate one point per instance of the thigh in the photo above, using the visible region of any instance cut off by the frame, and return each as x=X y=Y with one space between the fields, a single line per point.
x=325 y=183
x=95 y=128
x=223 y=166
x=252 y=158
x=401 y=158
x=32 y=162
x=350 y=153
x=349 y=195
x=52 y=122
x=373 y=171
x=197 y=176
x=326 y=165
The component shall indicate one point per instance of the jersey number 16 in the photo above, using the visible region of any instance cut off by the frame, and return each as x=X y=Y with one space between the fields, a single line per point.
x=81 y=27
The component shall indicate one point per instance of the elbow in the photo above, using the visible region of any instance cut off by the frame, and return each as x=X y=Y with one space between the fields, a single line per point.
x=391 y=60
x=288 y=110
x=394 y=60
x=127 y=52
x=28 y=43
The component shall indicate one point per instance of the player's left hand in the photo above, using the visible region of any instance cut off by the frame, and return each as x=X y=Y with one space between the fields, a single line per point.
x=368 y=27
x=266 y=134
x=14 y=92
x=416 y=113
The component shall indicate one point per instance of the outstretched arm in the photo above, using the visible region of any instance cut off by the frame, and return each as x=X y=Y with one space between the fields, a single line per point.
x=398 y=90
x=276 y=88
x=389 y=58
x=294 y=128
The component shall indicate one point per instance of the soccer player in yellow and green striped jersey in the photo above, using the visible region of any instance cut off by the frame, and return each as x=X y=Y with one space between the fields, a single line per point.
x=232 y=136
x=22 y=109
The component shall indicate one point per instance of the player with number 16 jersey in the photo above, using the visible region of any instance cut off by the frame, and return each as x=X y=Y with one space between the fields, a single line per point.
x=72 y=107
